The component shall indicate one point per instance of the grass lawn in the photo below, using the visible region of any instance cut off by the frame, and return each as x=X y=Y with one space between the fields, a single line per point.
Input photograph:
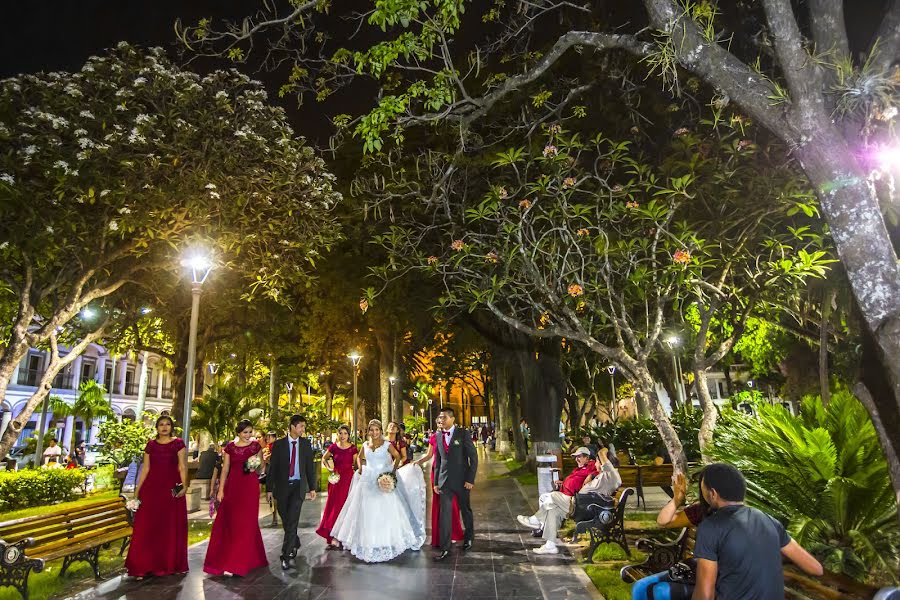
x=43 y=510
x=519 y=470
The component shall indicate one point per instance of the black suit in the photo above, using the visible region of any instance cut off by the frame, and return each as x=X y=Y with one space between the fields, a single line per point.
x=289 y=495
x=453 y=468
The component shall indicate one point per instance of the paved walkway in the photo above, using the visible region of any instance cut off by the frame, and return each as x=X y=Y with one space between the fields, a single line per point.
x=499 y=566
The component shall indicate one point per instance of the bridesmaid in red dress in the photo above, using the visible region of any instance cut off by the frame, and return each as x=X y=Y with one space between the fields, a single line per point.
x=457 y=533
x=159 y=540
x=236 y=545
x=342 y=454
x=395 y=437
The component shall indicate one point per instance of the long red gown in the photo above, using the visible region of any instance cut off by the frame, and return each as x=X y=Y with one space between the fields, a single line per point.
x=337 y=492
x=236 y=544
x=457 y=533
x=159 y=540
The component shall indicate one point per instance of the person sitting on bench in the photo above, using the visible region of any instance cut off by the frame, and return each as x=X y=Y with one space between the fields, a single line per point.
x=556 y=506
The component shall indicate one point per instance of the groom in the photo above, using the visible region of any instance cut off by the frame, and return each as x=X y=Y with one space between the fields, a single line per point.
x=455 y=465
x=291 y=478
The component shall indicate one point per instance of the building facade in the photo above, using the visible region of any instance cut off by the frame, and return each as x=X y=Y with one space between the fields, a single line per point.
x=118 y=374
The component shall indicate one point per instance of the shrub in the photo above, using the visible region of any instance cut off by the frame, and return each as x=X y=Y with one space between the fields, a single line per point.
x=123 y=441
x=824 y=475
x=34 y=487
x=104 y=477
x=641 y=438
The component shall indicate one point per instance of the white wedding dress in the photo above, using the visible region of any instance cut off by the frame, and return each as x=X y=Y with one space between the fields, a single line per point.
x=377 y=526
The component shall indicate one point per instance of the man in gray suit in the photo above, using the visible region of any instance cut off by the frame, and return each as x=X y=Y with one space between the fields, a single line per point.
x=455 y=466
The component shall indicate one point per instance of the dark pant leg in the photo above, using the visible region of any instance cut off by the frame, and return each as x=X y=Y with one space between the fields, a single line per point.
x=465 y=511
x=445 y=524
x=289 y=510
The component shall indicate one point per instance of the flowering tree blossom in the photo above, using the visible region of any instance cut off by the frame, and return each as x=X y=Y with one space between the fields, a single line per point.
x=112 y=173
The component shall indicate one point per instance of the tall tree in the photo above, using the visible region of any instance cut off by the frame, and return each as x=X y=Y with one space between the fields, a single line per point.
x=794 y=68
x=113 y=171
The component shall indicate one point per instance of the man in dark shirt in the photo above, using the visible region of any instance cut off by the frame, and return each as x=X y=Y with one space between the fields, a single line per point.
x=739 y=548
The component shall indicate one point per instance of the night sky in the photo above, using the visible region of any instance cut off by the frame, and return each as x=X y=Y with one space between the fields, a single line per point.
x=60 y=34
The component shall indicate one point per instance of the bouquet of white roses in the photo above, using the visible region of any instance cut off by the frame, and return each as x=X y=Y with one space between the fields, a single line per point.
x=387 y=482
x=334 y=478
x=252 y=464
x=133 y=504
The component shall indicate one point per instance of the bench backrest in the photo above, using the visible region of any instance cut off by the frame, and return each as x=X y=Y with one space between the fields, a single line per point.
x=59 y=529
x=629 y=475
x=656 y=475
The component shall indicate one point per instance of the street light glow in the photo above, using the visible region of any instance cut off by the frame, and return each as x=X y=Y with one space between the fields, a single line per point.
x=888 y=157
x=611 y=369
x=88 y=313
x=200 y=266
x=355 y=357
x=392 y=379
x=673 y=340
x=146 y=310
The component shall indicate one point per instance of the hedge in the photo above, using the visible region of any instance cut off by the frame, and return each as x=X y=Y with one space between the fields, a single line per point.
x=36 y=487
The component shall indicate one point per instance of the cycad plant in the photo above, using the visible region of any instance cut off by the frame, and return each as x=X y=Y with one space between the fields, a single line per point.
x=221 y=409
x=824 y=475
x=90 y=403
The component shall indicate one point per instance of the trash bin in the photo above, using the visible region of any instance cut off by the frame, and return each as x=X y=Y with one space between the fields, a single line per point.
x=546 y=466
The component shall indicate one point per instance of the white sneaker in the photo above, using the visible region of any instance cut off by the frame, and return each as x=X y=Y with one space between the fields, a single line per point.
x=529 y=522
x=548 y=548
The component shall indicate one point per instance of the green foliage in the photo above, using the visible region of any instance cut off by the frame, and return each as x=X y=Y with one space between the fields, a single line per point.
x=414 y=422
x=90 y=403
x=641 y=438
x=104 y=477
x=34 y=487
x=824 y=475
x=220 y=410
x=123 y=441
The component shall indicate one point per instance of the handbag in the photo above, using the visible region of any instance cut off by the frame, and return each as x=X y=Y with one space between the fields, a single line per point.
x=583 y=501
x=684 y=572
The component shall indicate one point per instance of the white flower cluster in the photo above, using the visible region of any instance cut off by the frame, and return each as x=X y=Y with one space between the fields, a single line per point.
x=135 y=137
x=6 y=177
x=86 y=114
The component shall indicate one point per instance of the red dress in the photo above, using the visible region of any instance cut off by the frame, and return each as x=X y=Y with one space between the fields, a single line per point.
x=337 y=492
x=236 y=544
x=400 y=445
x=457 y=533
x=159 y=541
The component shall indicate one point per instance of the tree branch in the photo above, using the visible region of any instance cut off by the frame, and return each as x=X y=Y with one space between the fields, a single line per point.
x=886 y=47
x=828 y=28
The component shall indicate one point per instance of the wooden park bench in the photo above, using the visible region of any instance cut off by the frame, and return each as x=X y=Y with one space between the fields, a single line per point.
x=797 y=585
x=74 y=535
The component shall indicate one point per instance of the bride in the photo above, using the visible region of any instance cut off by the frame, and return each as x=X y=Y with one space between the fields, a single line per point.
x=376 y=525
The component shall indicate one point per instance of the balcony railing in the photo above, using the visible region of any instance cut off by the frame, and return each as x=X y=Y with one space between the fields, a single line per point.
x=167 y=392
x=151 y=391
x=63 y=381
x=30 y=377
x=131 y=389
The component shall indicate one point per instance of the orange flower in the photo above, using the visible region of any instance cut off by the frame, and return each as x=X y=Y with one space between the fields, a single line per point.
x=568 y=182
x=364 y=305
x=491 y=257
x=432 y=260
x=682 y=257
x=458 y=245
x=502 y=193
x=550 y=150
x=525 y=204
x=583 y=232
x=632 y=204
x=575 y=290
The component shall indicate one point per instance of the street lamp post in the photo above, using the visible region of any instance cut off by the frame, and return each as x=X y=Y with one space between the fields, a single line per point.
x=200 y=267
x=355 y=358
x=611 y=369
x=390 y=415
x=441 y=392
x=289 y=386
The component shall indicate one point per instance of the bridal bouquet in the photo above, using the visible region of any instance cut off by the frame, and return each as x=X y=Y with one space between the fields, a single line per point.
x=133 y=504
x=252 y=464
x=334 y=478
x=387 y=482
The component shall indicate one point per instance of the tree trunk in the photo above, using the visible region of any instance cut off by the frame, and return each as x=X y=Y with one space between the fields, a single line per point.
x=503 y=399
x=385 y=362
x=396 y=396
x=329 y=397
x=893 y=461
x=864 y=246
x=827 y=300
x=273 y=391
x=710 y=414
x=644 y=381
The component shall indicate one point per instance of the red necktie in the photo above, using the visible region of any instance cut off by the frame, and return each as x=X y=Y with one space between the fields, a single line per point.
x=446 y=441
x=293 y=458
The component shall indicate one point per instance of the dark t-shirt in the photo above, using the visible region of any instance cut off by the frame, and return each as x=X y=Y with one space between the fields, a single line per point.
x=746 y=543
